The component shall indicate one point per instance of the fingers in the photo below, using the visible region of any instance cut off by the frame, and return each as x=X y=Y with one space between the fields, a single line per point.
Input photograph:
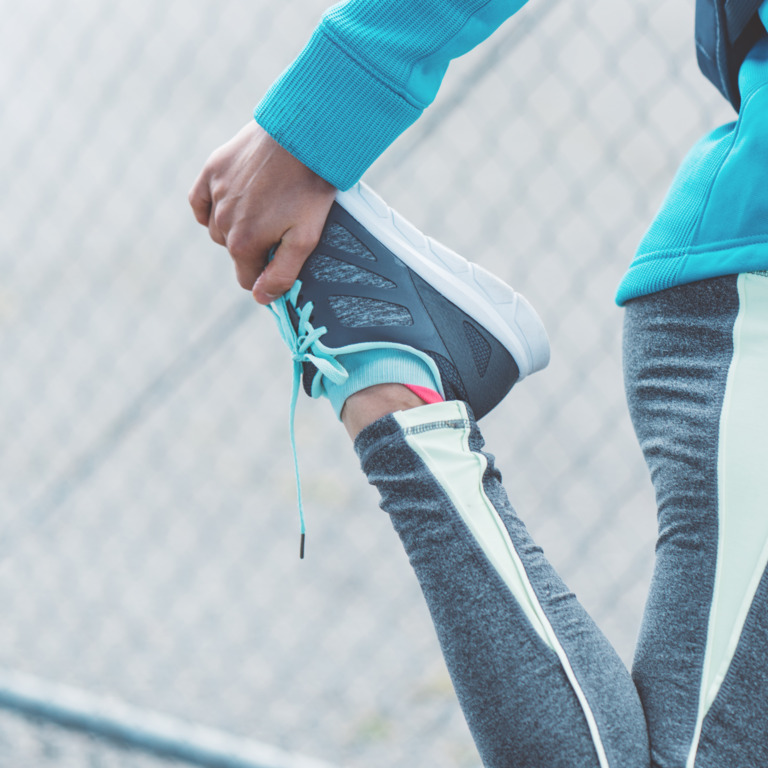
x=248 y=237
x=249 y=253
x=215 y=230
x=253 y=194
x=200 y=199
x=280 y=274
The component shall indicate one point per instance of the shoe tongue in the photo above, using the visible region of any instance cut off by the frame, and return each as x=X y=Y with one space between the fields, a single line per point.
x=309 y=371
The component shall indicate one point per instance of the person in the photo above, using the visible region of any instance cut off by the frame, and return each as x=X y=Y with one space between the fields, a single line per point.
x=411 y=344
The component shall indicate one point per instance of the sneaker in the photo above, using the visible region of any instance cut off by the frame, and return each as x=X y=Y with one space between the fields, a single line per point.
x=375 y=284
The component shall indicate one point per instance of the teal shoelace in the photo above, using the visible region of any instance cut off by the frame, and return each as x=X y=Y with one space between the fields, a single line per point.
x=304 y=347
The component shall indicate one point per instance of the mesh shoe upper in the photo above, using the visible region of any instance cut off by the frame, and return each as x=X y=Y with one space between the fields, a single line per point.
x=363 y=294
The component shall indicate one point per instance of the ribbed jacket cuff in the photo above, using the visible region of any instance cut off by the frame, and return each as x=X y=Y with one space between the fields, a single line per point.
x=328 y=111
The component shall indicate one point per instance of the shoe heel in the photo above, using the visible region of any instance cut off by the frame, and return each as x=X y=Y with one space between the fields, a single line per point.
x=532 y=329
x=522 y=319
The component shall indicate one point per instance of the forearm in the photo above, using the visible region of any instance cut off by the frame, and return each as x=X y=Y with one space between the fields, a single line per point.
x=367 y=73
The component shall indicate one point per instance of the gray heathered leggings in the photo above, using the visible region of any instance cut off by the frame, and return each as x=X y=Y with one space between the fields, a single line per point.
x=538 y=682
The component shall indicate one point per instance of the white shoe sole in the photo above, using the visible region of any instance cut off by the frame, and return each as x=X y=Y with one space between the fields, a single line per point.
x=496 y=306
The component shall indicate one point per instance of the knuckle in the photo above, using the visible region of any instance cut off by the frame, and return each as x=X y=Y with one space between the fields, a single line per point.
x=200 y=206
x=239 y=247
x=213 y=162
x=218 y=190
x=221 y=218
x=245 y=277
x=216 y=236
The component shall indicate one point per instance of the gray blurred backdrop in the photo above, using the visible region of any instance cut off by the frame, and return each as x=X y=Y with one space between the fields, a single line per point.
x=148 y=521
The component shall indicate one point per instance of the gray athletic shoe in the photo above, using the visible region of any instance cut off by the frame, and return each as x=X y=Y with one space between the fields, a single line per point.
x=374 y=281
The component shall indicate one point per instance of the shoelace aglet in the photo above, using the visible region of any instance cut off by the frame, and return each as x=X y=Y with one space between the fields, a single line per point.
x=302 y=342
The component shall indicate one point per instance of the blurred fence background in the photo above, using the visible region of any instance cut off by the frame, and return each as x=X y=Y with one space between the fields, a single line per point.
x=148 y=525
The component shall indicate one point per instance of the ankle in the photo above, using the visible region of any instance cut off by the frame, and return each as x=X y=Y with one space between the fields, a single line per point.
x=367 y=405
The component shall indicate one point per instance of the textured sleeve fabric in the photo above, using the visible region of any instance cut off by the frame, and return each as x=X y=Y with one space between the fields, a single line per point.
x=367 y=73
x=714 y=219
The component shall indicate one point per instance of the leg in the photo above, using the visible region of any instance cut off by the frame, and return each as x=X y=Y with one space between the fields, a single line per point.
x=379 y=304
x=696 y=364
x=538 y=683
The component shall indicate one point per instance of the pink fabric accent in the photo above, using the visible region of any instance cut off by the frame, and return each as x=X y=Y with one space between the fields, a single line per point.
x=429 y=396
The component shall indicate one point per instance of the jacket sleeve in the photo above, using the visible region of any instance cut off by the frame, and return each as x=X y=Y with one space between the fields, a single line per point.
x=367 y=73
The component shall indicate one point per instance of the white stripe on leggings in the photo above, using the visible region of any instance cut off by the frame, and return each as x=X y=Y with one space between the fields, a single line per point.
x=459 y=471
x=742 y=547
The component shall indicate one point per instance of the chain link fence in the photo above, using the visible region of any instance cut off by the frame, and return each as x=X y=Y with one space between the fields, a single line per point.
x=148 y=524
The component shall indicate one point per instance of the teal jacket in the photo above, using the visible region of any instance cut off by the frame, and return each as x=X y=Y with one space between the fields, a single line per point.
x=372 y=67
x=714 y=220
x=367 y=73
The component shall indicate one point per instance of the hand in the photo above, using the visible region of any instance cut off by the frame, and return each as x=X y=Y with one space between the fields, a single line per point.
x=252 y=195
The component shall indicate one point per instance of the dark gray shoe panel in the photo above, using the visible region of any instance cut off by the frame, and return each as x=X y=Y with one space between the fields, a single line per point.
x=487 y=371
x=393 y=288
x=390 y=303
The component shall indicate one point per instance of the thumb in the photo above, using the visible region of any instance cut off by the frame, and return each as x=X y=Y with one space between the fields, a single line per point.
x=280 y=274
